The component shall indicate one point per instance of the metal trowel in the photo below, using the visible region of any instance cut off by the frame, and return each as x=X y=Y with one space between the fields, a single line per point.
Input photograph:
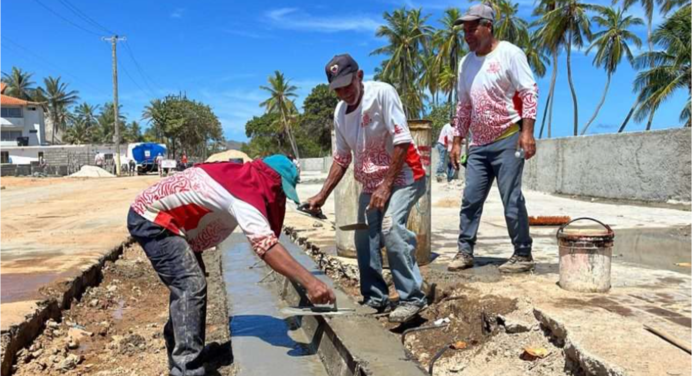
x=318 y=310
x=354 y=226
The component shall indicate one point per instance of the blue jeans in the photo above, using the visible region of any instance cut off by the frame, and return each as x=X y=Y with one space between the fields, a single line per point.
x=444 y=166
x=182 y=271
x=485 y=163
x=389 y=229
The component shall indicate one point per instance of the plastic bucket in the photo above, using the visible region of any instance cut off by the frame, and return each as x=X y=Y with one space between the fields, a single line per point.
x=585 y=257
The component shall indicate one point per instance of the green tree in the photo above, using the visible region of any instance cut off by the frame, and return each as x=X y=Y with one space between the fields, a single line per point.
x=567 y=25
x=671 y=66
x=105 y=132
x=439 y=115
x=57 y=98
x=409 y=42
x=313 y=133
x=281 y=102
x=450 y=48
x=551 y=46
x=612 y=44
x=19 y=84
x=265 y=137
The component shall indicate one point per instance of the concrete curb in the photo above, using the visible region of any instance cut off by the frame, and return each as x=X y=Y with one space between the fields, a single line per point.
x=347 y=345
x=21 y=335
x=589 y=363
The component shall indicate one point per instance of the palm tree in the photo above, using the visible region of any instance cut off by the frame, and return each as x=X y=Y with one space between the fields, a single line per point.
x=648 y=6
x=544 y=7
x=77 y=132
x=57 y=98
x=409 y=42
x=612 y=45
x=280 y=102
x=508 y=26
x=19 y=84
x=450 y=51
x=567 y=25
x=671 y=66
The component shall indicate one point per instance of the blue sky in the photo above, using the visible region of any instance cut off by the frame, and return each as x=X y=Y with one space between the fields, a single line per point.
x=220 y=52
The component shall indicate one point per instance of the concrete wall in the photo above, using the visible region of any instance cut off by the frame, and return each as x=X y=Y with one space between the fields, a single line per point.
x=649 y=166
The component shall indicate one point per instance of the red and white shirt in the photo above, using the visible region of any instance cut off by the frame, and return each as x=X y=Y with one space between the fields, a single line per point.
x=207 y=202
x=370 y=132
x=446 y=136
x=495 y=91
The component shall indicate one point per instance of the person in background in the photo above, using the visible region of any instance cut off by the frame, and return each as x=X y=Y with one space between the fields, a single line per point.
x=444 y=145
x=159 y=164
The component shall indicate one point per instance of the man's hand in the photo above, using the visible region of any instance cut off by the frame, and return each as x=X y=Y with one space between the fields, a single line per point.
x=455 y=154
x=319 y=293
x=315 y=203
x=528 y=143
x=380 y=197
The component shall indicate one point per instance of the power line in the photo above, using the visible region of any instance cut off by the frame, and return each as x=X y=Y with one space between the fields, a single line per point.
x=84 y=16
x=66 y=19
x=145 y=77
x=19 y=48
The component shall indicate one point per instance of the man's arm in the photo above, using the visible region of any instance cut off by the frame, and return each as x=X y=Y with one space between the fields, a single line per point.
x=336 y=173
x=379 y=198
x=527 y=90
x=278 y=258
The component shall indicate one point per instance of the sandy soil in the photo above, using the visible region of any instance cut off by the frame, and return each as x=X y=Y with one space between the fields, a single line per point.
x=116 y=328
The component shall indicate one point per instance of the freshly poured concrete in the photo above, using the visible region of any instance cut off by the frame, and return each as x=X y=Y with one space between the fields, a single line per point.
x=262 y=342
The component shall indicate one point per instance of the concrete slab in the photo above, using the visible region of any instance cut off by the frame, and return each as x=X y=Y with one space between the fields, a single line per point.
x=262 y=341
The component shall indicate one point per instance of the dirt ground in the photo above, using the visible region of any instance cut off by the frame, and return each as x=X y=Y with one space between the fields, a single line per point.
x=116 y=328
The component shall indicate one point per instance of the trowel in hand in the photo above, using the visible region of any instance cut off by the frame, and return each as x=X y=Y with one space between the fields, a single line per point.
x=354 y=227
x=318 y=310
x=303 y=209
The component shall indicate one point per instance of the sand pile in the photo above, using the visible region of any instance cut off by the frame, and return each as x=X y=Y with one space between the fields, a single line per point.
x=225 y=156
x=92 y=172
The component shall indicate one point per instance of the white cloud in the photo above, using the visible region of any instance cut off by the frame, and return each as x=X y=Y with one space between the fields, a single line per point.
x=178 y=13
x=245 y=34
x=295 y=19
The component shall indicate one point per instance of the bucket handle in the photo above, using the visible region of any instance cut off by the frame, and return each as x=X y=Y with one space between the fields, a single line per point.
x=562 y=228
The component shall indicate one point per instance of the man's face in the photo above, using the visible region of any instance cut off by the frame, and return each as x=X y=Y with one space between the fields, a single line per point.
x=351 y=93
x=476 y=35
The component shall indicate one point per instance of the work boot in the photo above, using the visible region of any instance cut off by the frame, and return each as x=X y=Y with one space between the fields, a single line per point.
x=404 y=312
x=460 y=262
x=517 y=264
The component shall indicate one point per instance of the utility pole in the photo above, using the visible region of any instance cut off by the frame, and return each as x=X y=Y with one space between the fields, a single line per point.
x=114 y=40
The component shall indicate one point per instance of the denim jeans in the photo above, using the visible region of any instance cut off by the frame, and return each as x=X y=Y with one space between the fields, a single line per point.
x=182 y=272
x=485 y=163
x=444 y=166
x=389 y=229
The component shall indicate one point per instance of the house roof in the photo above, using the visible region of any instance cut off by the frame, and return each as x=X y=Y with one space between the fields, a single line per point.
x=11 y=101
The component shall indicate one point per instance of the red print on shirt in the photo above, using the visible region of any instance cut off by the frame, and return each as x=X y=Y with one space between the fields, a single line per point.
x=366 y=120
x=493 y=67
x=398 y=129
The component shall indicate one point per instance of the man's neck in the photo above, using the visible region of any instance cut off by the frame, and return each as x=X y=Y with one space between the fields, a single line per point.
x=351 y=108
x=490 y=48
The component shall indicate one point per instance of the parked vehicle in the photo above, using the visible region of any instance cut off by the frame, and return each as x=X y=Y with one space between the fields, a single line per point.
x=144 y=153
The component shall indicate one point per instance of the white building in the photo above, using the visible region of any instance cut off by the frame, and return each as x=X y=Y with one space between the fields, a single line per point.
x=21 y=122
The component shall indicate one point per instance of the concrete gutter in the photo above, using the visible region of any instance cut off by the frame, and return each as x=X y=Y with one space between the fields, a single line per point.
x=347 y=345
x=22 y=335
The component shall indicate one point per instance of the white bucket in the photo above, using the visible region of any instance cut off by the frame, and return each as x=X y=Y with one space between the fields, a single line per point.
x=585 y=257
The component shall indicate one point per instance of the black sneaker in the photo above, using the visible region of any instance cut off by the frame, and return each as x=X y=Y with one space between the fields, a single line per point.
x=518 y=264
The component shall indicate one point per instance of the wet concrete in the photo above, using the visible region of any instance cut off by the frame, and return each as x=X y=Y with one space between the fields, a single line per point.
x=263 y=342
x=654 y=248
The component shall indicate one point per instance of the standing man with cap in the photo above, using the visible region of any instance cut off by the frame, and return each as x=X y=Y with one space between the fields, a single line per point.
x=184 y=214
x=497 y=102
x=371 y=128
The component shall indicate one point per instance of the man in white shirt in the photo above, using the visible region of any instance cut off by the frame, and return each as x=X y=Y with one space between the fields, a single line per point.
x=444 y=146
x=497 y=103
x=372 y=130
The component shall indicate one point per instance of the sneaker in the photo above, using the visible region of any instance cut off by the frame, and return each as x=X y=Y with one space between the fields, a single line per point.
x=517 y=264
x=404 y=312
x=440 y=178
x=460 y=262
